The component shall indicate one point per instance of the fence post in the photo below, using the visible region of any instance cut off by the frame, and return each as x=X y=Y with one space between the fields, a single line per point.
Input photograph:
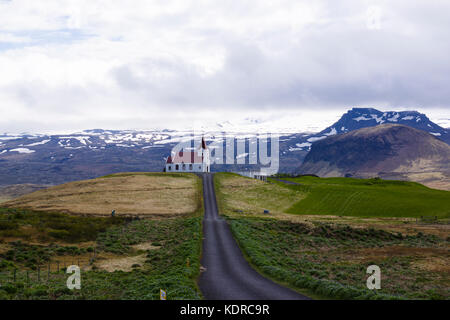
x=57 y=264
x=28 y=277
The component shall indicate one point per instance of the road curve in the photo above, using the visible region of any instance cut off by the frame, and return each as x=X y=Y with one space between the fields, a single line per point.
x=228 y=275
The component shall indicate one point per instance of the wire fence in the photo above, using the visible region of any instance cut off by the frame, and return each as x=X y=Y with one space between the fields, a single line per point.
x=50 y=271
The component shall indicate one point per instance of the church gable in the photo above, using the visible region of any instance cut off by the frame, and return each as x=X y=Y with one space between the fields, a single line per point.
x=196 y=161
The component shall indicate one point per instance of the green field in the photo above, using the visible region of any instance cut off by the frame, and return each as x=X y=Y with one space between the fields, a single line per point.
x=367 y=198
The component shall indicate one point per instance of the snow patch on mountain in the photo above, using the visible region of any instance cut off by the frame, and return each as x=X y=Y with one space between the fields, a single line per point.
x=38 y=143
x=82 y=139
x=378 y=119
x=313 y=139
x=362 y=118
x=22 y=150
x=332 y=132
x=304 y=144
x=394 y=118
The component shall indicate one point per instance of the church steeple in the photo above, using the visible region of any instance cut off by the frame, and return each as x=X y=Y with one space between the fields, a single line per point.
x=204 y=143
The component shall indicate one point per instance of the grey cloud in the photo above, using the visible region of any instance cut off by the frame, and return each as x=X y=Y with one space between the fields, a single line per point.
x=334 y=62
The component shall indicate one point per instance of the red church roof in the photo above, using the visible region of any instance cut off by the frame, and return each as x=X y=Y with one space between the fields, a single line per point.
x=185 y=157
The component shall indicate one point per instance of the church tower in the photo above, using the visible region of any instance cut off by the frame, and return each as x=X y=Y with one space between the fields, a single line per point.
x=204 y=152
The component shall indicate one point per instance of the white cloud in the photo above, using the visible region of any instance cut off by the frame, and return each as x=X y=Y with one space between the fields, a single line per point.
x=99 y=63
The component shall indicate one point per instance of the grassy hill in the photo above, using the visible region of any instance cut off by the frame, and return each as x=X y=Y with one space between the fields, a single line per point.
x=236 y=193
x=143 y=194
x=120 y=257
x=17 y=190
x=330 y=196
x=367 y=197
x=304 y=244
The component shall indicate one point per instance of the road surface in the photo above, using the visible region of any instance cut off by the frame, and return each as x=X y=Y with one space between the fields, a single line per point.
x=228 y=275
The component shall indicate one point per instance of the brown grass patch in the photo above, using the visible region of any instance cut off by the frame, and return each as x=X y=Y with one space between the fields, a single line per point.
x=406 y=226
x=129 y=194
x=4 y=199
x=145 y=246
x=368 y=254
x=253 y=196
x=121 y=264
x=427 y=259
x=434 y=264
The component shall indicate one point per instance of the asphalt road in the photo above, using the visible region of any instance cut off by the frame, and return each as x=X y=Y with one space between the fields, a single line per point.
x=228 y=275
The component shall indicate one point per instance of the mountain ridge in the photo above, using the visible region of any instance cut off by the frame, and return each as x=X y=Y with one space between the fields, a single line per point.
x=58 y=158
x=390 y=151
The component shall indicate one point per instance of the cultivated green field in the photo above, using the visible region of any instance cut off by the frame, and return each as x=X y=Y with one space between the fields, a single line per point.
x=367 y=198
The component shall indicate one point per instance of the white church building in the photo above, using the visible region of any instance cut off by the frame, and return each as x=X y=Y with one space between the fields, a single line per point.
x=196 y=161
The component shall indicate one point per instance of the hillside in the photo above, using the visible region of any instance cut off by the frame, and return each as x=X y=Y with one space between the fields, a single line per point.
x=139 y=194
x=121 y=257
x=358 y=118
x=328 y=230
x=60 y=158
x=368 y=198
x=330 y=196
x=389 y=151
x=18 y=190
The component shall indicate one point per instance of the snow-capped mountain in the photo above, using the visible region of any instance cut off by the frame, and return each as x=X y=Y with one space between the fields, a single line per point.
x=57 y=158
x=358 y=118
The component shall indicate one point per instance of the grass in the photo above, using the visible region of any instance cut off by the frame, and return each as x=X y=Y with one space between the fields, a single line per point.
x=4 y=199
x=121 y=257
x=331 y=260
x=367 y=198
x=330 y=196
x=322 y=234
x=172 y=264
x=29 y=225
x=143 y=194
x=236 y=193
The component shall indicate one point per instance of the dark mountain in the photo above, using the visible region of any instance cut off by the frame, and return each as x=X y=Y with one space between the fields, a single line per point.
x=55 y=159
x=358 y=118
x=388 y=151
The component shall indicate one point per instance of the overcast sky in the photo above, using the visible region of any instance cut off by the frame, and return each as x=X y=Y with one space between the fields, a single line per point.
x=68 y=65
